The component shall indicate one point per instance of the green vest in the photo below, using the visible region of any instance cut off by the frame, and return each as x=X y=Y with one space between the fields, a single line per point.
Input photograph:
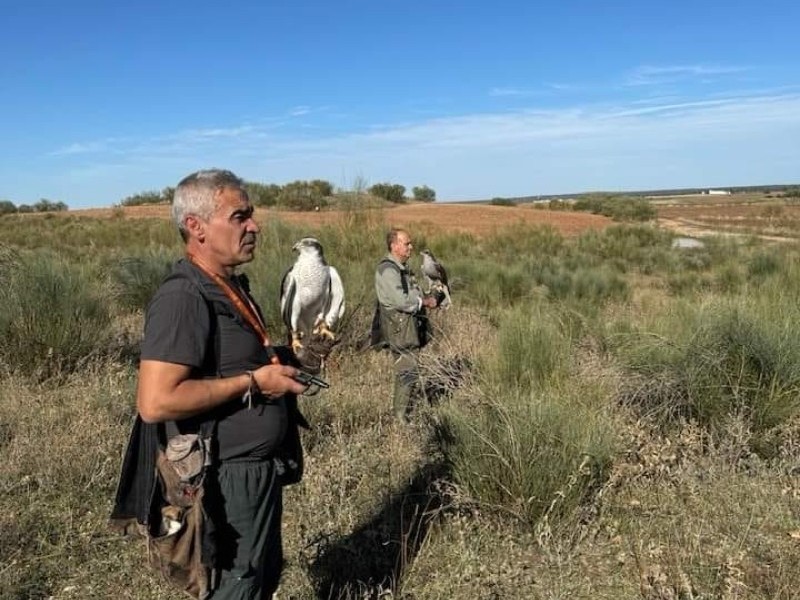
x=397 y=330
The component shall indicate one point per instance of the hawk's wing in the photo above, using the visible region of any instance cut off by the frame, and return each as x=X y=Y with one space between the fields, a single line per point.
x=441 y=273
x=288 y=292
x=335 y=305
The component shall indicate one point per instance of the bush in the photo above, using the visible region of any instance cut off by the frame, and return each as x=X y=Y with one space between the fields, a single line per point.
x=302 y=195
x=535 y=446
x=718 y=363
x=588 y=286
x=423 y=194
x=532 y=349
x=619 y=208
x=52 y=315
x=391 y=192
x=138 y=277
x=263 y=195
x=502 y=202
x=7 y=207
x=321 y=188
x=45 y=205
x=151 y=197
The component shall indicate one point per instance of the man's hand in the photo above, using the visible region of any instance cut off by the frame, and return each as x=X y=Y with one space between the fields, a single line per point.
x=429 y=302
x=433 y=300
x=277 y=380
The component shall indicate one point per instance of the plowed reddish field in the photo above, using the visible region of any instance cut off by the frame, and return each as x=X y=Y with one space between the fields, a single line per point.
x=478 y=219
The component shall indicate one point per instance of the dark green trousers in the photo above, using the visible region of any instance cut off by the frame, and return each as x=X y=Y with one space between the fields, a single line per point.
x=249 y=544
x=406 y=382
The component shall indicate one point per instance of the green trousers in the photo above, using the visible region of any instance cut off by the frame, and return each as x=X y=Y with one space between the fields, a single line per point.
x=249 y=545
x=407 y=385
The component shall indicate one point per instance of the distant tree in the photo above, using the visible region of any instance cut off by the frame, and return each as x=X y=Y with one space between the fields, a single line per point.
x=25 y=208
x=422 y=193
x=792 y=192
x=557 y=204
x=498 y=201
x=391 y=192
x=7 y=207
x=322 y=188
x=301 y=195
x=45 y=205
x=150 y=197
x=262 y=194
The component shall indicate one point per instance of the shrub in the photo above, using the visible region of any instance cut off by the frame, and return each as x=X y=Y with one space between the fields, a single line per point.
x=52 y=315
x=619 y=208
x=7 y=207
x=151 y=197
x=45 y=205
x=558 y=204
x=532 y=349
x=493 y=285
x=642 y=247
x=423 y=193
x=391 y=192
x=498 y=201
x=301 y=195
x=533 y=446
x=588 y=286
x=263 y=195
x=138 y=277
x=763 y=264
x=321 y=188
x=717 y=363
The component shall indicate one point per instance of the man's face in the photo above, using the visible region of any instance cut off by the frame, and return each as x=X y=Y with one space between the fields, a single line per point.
x=230 y=233
x=402 y=247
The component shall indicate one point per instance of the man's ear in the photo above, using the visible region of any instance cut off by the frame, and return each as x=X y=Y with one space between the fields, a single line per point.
x=195 y=227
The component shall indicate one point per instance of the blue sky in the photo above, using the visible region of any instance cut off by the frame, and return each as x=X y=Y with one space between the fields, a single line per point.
x=101 y=100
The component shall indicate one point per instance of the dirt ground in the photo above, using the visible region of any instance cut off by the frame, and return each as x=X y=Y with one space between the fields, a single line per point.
x=774 y=221
x=478 y=219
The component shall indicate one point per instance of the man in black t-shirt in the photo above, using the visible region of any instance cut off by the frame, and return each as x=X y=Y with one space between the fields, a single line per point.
x=205 y=350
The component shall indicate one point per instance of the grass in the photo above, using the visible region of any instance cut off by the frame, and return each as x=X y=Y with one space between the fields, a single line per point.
x=609 y=418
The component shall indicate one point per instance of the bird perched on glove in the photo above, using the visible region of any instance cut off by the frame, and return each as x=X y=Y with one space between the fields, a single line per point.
x=312 y=298
x=436 y=276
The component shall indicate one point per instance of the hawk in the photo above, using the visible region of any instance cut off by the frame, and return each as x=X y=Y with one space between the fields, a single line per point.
x=312 y=295
x=436 y=276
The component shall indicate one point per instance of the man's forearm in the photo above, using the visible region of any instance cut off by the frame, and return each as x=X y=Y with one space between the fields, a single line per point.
x=196 y=396
x=166 y=392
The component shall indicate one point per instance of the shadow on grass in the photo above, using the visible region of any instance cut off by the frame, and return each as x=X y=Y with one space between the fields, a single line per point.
x=371 y=560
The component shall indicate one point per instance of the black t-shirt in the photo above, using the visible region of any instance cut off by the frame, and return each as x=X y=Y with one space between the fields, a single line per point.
x=178 y=329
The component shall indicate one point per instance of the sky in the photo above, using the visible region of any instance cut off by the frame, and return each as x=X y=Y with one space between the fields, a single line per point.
x=100 y=100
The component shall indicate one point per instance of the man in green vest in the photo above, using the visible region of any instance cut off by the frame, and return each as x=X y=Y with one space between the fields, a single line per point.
x=401 y=321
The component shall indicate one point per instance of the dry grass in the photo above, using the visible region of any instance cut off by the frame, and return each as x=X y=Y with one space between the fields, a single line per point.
x=747 y=214
x=478 y=219
x=684 y=514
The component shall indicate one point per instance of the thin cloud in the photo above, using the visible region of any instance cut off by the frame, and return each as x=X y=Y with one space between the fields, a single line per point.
x=499 y=92
x=656 y=75
x=580 y=146
x=79 y=148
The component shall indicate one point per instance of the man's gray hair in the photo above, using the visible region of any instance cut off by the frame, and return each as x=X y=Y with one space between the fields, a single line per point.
x=391 y=236
x=196 y=194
